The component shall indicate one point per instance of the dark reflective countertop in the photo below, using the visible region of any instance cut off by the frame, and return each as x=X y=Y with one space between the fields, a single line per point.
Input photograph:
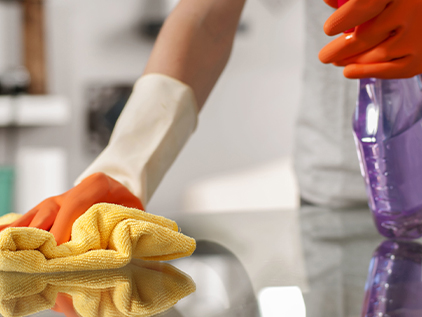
x=274 y=263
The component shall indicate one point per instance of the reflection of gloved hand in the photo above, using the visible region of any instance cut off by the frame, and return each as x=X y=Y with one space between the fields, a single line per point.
x=385 y=43
x=64 y=305
x=58 y=213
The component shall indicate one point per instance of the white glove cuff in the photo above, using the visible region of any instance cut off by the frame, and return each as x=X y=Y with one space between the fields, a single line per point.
x=156 y=122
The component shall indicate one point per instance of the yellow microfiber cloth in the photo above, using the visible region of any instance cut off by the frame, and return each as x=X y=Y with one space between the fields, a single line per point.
x=138 y=289
x=106 y=236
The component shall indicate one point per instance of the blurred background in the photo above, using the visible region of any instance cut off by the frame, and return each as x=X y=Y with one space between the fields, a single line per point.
x=66 y=70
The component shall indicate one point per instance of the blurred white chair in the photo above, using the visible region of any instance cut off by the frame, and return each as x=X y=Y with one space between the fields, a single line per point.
x=272 y=186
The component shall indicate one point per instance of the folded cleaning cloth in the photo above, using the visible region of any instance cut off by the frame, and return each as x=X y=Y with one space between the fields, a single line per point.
x=107 y=236
x=138 y=289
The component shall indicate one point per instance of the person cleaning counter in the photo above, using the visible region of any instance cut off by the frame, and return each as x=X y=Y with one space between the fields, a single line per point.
x=189 y=56
x=326 y=161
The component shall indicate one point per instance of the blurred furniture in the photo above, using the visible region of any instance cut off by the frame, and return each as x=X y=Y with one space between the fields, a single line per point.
x=28 y=110
x=34 y=45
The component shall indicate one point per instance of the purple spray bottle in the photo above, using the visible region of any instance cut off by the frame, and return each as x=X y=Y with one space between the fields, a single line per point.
x=394 y=283
x=388 y=134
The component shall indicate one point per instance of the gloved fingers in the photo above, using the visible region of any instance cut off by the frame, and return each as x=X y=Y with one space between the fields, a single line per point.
x=23 y=221
x=400 y=68
x=332 y=3
x=62 y=226
x=352 y=14
x=348 y=45
x=45 y=216
x=72 y=207
x=387 y=51
x=67 y=215
x=366 y=36
x=96 y=188
x=92 y=190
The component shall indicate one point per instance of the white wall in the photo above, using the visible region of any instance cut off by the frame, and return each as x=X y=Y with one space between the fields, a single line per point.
x=248 y=119
x=10 y=46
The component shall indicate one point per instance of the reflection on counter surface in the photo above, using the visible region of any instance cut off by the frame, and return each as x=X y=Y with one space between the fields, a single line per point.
x=394 y=285
x=239 y=257
x=246 y=264
x=139 y=289
x=223 y=285
x=338 y=245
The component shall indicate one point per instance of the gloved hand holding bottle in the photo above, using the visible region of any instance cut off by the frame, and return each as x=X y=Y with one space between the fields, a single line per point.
x=385 y=42
x=382 y=43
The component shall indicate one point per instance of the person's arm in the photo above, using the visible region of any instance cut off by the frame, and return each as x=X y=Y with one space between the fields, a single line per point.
x=195 y=42
x=189 y=55
x=191 y=51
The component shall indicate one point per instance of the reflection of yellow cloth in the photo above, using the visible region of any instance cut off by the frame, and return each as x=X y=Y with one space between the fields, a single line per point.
x=107 y=236
x=138 y=289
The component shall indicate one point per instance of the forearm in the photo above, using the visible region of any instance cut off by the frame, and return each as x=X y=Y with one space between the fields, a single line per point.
x=193 y=47
x=155 y=124
x=195 y=42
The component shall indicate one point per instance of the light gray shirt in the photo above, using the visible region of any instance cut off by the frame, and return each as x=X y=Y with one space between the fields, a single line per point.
x=325 y=156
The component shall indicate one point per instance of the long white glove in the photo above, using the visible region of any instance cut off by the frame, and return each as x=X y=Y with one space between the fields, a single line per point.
x=156 y=122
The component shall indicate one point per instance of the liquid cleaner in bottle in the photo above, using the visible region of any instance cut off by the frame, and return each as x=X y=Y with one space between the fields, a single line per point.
x=394 y=283
x=388 y=133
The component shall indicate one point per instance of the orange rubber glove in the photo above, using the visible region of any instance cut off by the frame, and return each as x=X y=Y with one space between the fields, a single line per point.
x=57 y=214
x=386 y=39
x=333 y=3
